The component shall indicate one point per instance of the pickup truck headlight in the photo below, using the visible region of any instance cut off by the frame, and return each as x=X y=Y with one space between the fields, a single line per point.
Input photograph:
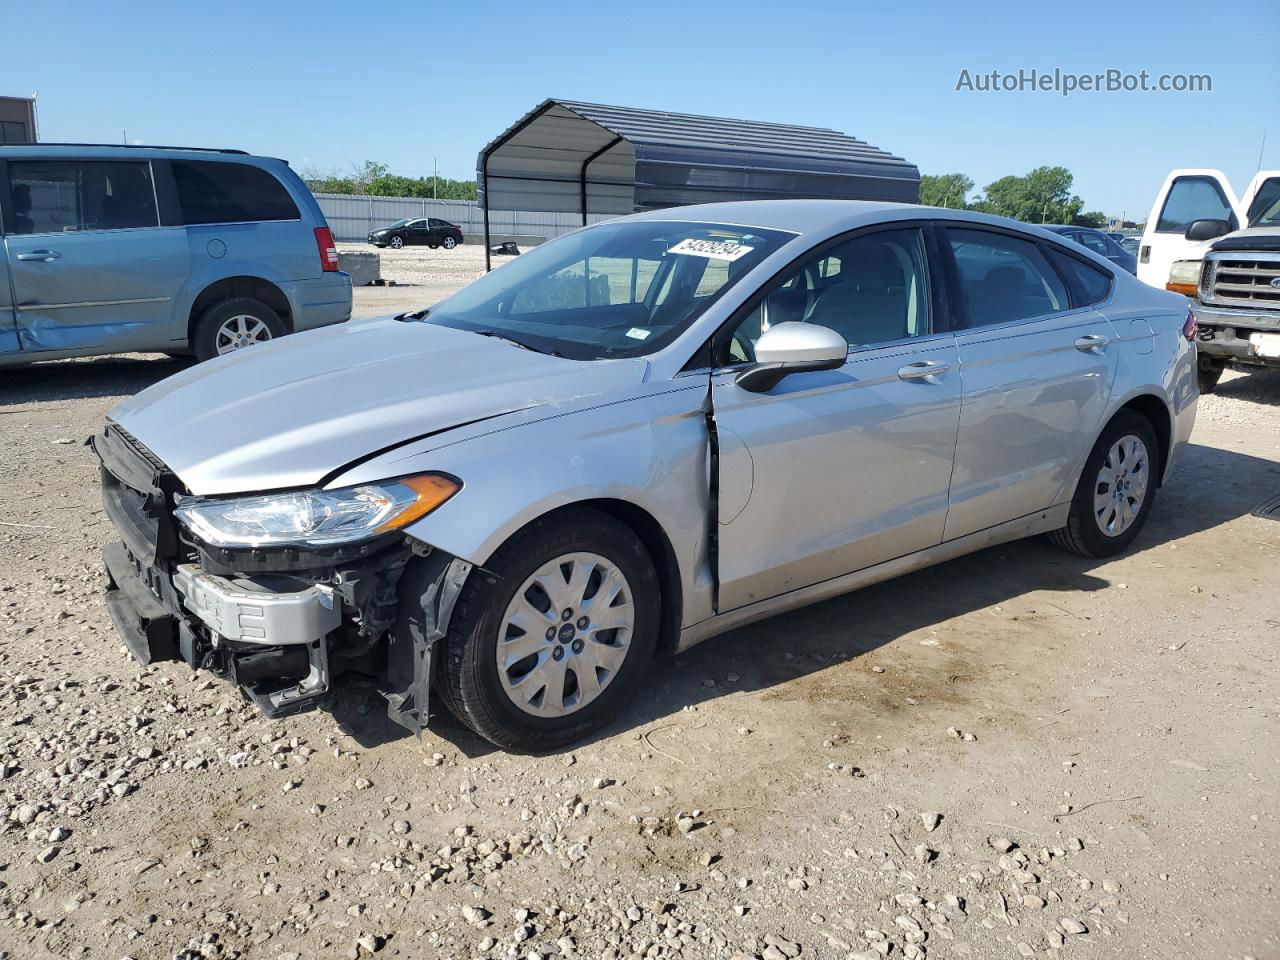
x=315 y=517
x=1184 y=277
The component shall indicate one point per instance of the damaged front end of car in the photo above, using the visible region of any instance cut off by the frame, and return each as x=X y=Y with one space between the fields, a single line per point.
x=281 y=592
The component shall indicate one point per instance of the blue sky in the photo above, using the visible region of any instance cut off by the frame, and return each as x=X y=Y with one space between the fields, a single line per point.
x=327 y=86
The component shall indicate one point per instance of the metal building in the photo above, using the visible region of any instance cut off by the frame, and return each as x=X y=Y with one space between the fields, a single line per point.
x=17 y=120
x=599 y=161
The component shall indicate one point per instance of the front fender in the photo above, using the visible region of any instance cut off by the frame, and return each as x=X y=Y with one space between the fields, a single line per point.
x=649 y=452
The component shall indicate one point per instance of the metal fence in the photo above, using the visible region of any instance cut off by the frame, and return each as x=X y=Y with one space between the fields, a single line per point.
x=352 y=217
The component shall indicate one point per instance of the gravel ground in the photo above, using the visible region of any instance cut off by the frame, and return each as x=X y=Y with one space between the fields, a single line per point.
x=421 y=276
x=1016 y=754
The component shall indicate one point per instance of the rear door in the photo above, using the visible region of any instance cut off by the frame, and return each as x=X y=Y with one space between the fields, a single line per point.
x=91 y=266
x=9 y=342
x=1186 y=196
x=1037 y=372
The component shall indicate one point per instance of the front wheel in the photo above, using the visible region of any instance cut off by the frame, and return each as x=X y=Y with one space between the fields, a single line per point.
x=1209 y=372
x=1116 y=489
x=450 y=243
x=548 y=641
x=396 y=243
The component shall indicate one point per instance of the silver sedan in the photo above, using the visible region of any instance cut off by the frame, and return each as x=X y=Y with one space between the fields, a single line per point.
x=628 y=440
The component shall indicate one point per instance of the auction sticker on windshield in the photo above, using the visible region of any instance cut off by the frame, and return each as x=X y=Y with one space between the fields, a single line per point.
x=712 y=249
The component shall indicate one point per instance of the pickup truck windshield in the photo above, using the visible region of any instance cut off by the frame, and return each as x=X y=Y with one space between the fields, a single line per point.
x=614 y=290
x=1265 y=209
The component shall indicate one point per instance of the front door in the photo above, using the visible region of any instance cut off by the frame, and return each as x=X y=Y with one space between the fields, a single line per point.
x=91 y=266
x=1037 y=376
x=832 y=472
x=1186 y=196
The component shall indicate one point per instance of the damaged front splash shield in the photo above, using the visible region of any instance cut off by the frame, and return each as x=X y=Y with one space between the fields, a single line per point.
x=428 y=590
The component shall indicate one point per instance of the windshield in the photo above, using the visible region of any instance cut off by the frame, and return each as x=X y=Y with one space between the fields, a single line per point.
x=1265 y=209
x=614 y=290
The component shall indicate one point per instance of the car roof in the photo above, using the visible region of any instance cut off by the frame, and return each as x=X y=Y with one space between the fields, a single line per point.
x=116 y=151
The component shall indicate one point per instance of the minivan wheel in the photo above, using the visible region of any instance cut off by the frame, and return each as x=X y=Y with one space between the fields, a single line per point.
x=234 y=324
x=1116 y=489
x=548 y=640
x=449 y=243
x=396 y=243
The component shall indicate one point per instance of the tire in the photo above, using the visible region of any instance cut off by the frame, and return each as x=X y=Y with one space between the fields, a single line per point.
x=395 y=243
x=1084 y=533
x=433 y=246
x=487 y=697
x=221 y=320
x=449 y=243
x=1209 y=372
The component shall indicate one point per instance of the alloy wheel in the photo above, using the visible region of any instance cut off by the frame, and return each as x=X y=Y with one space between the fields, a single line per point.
x=396 y=243
x=240 y=331
x=565 y=635
x=1121 y=487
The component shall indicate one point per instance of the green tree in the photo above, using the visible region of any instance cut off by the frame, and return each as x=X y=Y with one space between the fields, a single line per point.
x=1091 y=218
x=1041 y=196
x=376 y=179
x=945 y=190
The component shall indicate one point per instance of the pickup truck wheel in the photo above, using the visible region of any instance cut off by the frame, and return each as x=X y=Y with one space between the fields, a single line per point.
x=1209 y=372
x=1116 y=489
x=234 y=324
x=548 y=641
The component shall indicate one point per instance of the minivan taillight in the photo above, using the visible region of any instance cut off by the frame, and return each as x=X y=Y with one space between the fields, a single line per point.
x=328 y=251
x=1189 y=326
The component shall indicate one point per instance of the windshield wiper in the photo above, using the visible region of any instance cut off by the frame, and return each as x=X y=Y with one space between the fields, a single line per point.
x=506 y=338
x=413 y=314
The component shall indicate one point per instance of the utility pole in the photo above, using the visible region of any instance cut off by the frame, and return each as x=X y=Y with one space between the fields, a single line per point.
x=435 y=175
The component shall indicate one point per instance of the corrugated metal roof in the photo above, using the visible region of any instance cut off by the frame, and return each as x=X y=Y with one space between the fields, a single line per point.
x=591 y=158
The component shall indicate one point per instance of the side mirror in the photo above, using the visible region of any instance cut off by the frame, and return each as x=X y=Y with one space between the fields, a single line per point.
x=792 y=347
x=1207 y=229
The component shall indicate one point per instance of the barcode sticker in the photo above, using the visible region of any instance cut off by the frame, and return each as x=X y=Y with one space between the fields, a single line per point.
x=712 y=249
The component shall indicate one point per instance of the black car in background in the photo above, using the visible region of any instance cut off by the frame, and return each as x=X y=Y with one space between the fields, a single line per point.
x=424 y=231
x=1099 y=242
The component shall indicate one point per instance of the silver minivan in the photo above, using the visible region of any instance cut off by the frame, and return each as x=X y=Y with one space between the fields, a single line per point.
x=630 y=439
x=108 y=249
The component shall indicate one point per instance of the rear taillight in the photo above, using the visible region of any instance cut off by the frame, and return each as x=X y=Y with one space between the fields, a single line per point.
x=328 y=251
x=1189 y=326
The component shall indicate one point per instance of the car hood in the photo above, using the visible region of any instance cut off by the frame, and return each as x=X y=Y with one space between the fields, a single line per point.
x=292 y=412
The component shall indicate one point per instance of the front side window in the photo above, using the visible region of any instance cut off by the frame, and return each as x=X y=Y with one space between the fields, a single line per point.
x=1265 y=209
x=1004 y=279
x=210 y=191
x=69 y=196
x=1191 y=199
x=871 y=289
x=613 y=290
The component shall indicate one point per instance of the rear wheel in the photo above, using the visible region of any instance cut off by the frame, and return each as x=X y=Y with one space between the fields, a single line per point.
x=234 y=324
x=449 y=243
x=395 y=243
x=548 y=641
x=1116 y=489
x=1209 y=372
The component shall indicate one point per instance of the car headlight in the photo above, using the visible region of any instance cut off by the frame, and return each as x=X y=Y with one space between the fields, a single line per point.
x=316 y=517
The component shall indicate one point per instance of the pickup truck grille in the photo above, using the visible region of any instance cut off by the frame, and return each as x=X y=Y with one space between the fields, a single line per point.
x=1245 y=280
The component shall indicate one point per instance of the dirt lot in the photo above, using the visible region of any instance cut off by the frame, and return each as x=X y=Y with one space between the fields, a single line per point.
x=1017 y=754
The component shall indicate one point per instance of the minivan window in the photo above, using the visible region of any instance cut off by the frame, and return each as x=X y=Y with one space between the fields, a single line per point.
x=1194 y=198
x=1003 y=278
x=68 y=196
x=213 y=192
x=1092 y=282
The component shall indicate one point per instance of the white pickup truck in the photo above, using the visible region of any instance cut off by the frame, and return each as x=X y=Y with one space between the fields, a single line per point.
x=1194 y=244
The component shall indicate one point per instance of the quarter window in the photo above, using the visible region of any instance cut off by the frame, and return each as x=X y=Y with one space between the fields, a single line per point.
x=214 y=192
x=1091 y=282
x=1004 y=279
x=1194 y=198
x=870 y=289
x=60 y=196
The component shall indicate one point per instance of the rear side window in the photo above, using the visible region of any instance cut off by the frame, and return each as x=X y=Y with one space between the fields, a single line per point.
x=69 y=196
x=1092 y=283
x=1004 y=279
x=1194 y=198
x=1092 y=241
x=213 y=192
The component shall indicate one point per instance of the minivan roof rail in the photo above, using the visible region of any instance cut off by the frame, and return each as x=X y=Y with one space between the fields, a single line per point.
x=133 y=146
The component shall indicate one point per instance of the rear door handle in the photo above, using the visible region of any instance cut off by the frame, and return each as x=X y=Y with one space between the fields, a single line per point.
x=40 y=256
x=921 y=369
x=1092 y=341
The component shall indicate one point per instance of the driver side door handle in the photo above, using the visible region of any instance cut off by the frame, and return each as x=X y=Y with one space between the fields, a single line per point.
x=40 y=256
x=922 y=369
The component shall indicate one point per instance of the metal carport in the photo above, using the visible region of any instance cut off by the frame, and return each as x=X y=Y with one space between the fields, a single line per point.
x=599 y=161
